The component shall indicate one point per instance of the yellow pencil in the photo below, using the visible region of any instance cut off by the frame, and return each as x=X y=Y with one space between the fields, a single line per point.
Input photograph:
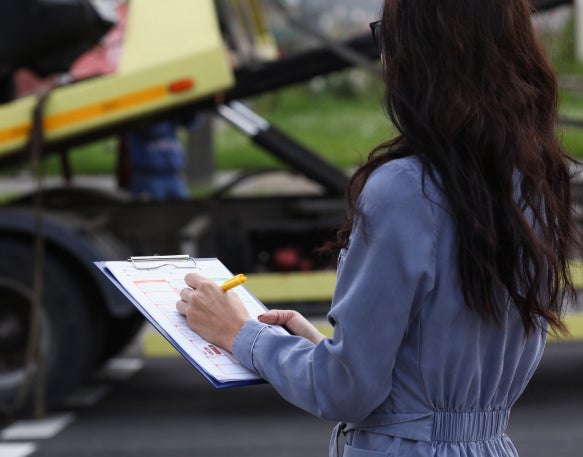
x=234 y=282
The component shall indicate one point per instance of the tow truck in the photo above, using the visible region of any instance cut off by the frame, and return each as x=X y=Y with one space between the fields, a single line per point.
x=59 y=318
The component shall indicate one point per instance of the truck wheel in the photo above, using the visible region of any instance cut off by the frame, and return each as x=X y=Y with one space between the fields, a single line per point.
x=72 y=328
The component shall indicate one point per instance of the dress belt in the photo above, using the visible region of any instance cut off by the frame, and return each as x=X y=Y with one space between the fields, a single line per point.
x=430 y=426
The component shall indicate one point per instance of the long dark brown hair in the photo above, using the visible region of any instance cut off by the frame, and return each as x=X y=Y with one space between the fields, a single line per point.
x=474 y=98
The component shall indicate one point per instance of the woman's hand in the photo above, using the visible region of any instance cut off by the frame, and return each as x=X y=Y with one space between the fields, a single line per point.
x=213 y=313
x=294 y=322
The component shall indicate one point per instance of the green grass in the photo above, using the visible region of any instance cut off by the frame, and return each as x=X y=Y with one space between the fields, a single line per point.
x=342 y=130
x=96 y=158
x=572 y=140
x=571 y=107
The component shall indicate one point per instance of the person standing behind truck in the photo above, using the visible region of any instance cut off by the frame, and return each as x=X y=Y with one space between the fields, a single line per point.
x=157 y=160
x=454 y=256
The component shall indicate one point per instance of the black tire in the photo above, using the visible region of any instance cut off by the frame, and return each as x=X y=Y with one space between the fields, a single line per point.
x=72 y=327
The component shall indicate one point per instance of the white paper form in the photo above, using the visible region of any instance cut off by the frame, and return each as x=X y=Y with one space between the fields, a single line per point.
x=157 y=290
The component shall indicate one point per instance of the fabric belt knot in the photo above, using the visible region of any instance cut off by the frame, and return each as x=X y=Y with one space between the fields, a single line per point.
x=430 y=426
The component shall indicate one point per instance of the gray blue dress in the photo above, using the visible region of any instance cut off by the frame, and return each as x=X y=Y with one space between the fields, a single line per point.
x=410 y=370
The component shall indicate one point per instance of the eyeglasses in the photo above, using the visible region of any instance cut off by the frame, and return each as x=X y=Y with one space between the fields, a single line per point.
x=375 y=30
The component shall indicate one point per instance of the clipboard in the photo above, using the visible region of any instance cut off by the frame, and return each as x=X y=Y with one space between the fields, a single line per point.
x=152 y=283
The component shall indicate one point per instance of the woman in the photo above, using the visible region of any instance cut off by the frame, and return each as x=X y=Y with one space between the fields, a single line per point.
x=454 y=254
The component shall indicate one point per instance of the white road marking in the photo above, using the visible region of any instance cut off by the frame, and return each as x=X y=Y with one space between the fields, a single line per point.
x=37 y=428
x=16 y=449
x=122 y=368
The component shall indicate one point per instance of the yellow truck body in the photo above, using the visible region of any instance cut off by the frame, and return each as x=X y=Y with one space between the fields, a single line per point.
x=178 y=58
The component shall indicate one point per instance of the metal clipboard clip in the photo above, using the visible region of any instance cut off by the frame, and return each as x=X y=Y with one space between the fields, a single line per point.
x=157 y=261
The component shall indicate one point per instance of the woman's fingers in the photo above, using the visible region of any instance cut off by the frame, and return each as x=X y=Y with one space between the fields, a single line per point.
x=182 y=305
x=277 y=316
x=211 y=312
x=294 y=322
x=186 y=293
x=193 y=280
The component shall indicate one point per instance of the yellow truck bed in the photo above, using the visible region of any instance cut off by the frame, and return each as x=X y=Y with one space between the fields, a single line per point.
x=172 y=54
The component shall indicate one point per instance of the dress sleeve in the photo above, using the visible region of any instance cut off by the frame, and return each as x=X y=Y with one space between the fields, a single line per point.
x=384 y=274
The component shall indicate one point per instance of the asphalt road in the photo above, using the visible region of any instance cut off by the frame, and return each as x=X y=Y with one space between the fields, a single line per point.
x=162 y=407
